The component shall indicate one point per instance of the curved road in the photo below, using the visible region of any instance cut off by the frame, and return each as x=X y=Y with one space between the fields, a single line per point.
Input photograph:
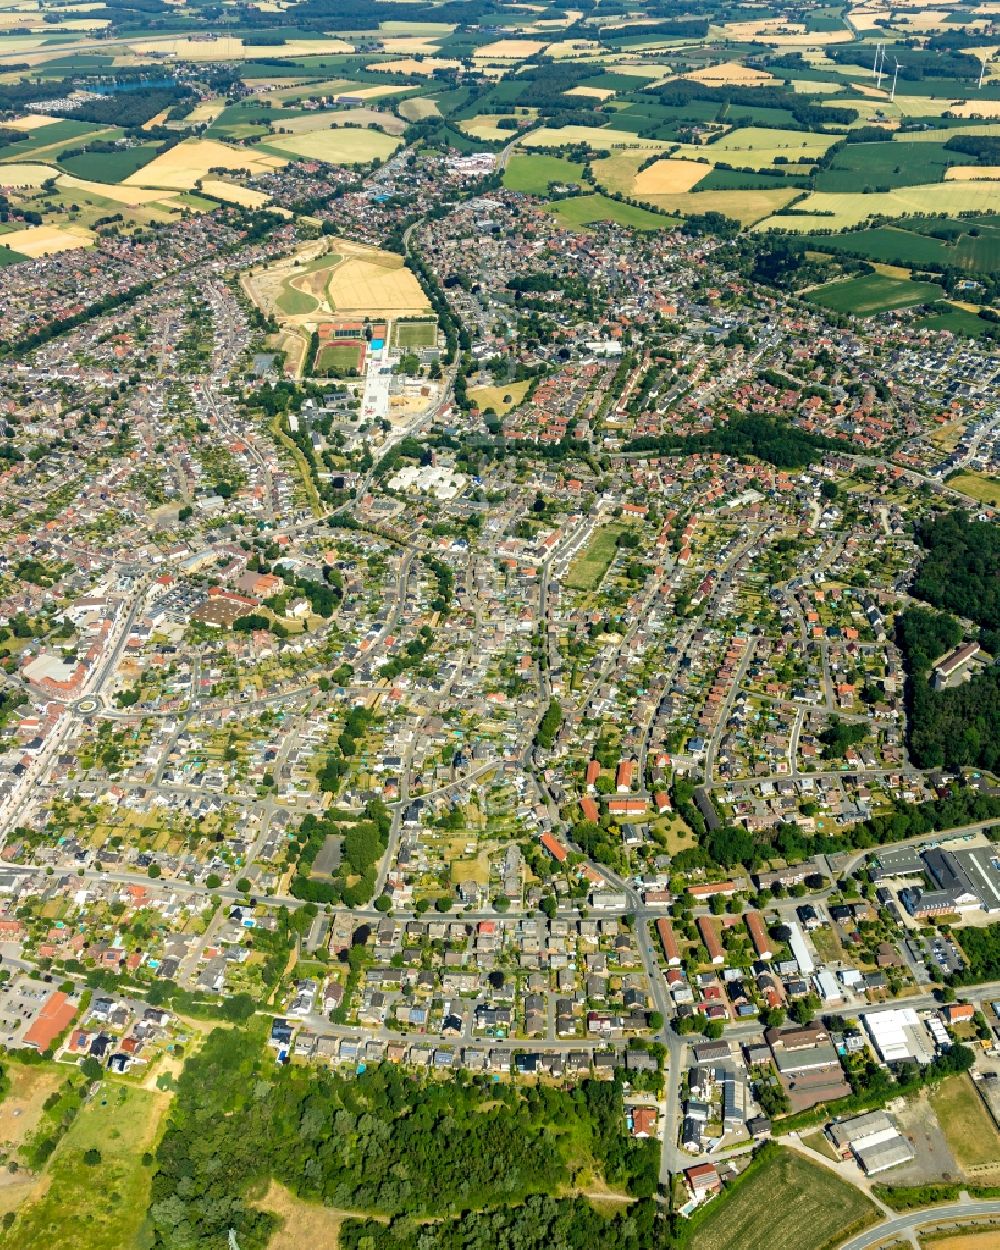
x=902 y=1225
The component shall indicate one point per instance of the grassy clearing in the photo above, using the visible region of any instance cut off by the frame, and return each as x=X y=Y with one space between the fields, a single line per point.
x=873 y=293
x=500 y=398
x=977 y=486
x=589 y=567
x=532 y=174
x=784 y=1203
x=585 y=210
x=21 y=1110
x=98 y=1205
x=966 y=1123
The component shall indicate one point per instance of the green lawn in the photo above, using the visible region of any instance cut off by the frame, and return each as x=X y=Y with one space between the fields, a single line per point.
x=416 y=333
x=102 y=1205
x=338 y=359
x=532 y=174
x=109 y=166
x=958 y=321
x=784 y=1202
x=589 y=567
x=873 y=293
x=584 y=210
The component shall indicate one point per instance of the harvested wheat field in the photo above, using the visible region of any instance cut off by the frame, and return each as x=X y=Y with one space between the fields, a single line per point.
x=416 y=109
x=132 y=197
x=973 y=173
x=229 y=48
x=730 y=74
x=18 y=174
x=232 y=194
x=976 y=108
x=590 y=93
x=312 y=122
x=205 y=112
x=44 y=240
x=426 y=67
x=376 y=284
x=669 y=177
x=182 y=166
x=344 y=146
x=30 y=121
x=987 y=1239
x=508 y=50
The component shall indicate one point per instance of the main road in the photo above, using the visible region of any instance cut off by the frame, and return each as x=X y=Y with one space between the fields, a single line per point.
x=901 y=1227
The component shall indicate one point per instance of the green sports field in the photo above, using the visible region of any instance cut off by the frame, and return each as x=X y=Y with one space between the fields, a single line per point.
x=415 y=333
x=338 y=359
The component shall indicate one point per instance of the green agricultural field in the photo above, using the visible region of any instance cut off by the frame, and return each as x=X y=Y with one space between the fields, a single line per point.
x=873 y=294
x=9 y=257
x=532 y=174
x=338 y=360
x=784 y=1202
x=109 y=166
x=584 y=210
x=889 y=245
x=415 y=333
x=97 y=1202
x=589 y=567
x=877 y=165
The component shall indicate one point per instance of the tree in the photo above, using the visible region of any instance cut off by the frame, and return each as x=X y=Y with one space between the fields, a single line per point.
x=655 y=1021
x=153 y=871
x=92 y=1157
x=243 y=885
x=383 y=903
x=212 y=881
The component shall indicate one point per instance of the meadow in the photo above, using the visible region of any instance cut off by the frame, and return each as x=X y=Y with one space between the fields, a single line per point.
x=585 y=210
x=873 y=293
x=98 y=1173
x=966 y=1123
x=532 y=173
x=588 y=569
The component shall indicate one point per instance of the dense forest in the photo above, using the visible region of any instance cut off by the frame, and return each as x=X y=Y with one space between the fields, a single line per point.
x=381 y=1141
x=774 y=442
x=960 y=571
x=952 y=728
x=539 y=1223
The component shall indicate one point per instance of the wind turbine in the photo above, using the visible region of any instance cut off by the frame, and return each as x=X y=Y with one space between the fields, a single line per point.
x=878 y=49
x=881 y=68
x=892 y=93
x=982 y=71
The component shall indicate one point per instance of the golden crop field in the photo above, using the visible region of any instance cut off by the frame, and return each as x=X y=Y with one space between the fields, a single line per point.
x=972 y=173
x=593 y=136
x=233 y=194
x=44 y=240
x=591 y=93
x=416 y=109
x=25 y=174
x=730 y=74
x=129 y=196
x=508 y=50
x=669 y=177
x=375 y=287
x=851 y=208
x=29 y=122
x=180 y=167
x=338 y=147
x=230 y=48
x=423 y=68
